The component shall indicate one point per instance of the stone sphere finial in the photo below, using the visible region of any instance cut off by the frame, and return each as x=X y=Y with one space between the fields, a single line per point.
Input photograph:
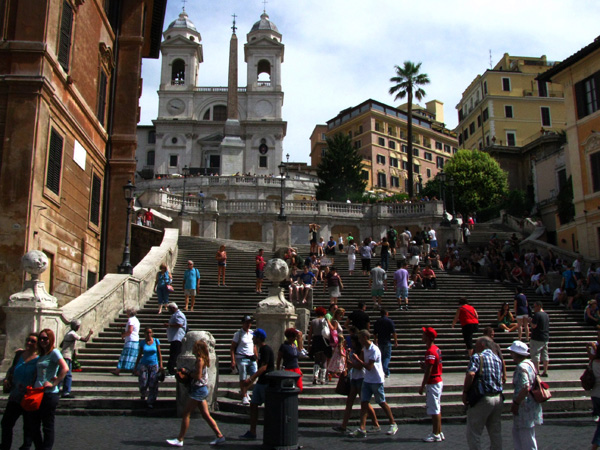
x=34 y=263
x=276 y=270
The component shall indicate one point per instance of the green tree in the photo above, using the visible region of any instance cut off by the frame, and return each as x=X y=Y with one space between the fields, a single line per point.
x=407 y=84
x=339 y=172
x=479 y=181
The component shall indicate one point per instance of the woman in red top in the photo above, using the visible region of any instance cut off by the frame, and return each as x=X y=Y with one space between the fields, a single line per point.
x=469 y=321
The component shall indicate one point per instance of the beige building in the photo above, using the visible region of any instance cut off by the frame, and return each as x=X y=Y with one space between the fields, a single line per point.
x=379 y=132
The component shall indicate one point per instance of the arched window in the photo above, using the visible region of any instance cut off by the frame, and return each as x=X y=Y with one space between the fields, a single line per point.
x=150 y=158
x=220 y=113
x=206 y=115
x=178 y=72
x=264 y=73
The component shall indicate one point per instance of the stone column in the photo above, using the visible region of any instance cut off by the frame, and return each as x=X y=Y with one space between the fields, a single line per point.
x=282 y=234
x=275 y=314
x=188 y=360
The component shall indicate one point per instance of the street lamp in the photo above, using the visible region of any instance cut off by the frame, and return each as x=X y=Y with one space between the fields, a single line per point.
x=451 y=184
x=283 y=172
x=186 y=172
x=125 y=267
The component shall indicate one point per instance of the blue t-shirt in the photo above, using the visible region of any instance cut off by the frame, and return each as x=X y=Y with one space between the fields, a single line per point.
x=23 y=376
x=47 y=368
x=307 y=277
x=164 y=279
x=191 y=277
x=149 y=353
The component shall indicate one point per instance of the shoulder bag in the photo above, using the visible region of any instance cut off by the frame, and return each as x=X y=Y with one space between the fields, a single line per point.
x=475 y=392
x=540 y=390
x=587 y=378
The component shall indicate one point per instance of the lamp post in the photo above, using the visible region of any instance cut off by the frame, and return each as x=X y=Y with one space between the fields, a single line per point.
x=186 y=172
x=283 y=172
x=451 y=184
x=442 y=177
x=125 y=266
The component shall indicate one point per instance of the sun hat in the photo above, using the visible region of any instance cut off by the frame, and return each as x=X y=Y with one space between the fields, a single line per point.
x=430 y=332
x=520 y=348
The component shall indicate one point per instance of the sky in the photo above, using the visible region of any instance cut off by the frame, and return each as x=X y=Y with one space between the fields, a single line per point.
x=339 y=53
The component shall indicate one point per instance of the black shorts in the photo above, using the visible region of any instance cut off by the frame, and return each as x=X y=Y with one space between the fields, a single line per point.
x=467 y=331
x=260 y=274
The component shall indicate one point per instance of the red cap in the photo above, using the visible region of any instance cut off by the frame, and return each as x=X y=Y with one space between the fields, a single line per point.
x=430 y=332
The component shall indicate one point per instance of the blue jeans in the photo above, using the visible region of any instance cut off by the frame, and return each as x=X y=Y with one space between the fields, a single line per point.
x=386 y=356
x=68 y=381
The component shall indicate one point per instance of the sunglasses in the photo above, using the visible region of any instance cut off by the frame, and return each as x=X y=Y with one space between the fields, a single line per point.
x=42 y=338
x=33 y=341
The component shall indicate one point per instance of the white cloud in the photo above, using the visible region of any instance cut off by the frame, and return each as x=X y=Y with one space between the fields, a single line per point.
x=341 y=52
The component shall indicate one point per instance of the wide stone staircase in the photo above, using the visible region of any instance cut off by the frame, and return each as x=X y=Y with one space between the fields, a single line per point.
x=219 y=310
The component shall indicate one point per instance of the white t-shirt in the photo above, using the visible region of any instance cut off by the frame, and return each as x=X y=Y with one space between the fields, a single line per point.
x=244 y=341
x=375 y=375
x=135 y=331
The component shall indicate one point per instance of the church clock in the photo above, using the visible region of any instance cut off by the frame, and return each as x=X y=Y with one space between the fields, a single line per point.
x=175 y=106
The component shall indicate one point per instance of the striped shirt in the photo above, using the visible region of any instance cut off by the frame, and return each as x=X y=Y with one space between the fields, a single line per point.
x=491 y=372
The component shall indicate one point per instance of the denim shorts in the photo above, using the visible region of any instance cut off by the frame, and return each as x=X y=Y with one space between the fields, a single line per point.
x=370 y=389
x=258 y=394
x=402 y=292
x=246 y=367
x=198 y=393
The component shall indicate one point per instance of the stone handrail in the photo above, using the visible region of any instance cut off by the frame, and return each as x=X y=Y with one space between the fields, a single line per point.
x=98 y=306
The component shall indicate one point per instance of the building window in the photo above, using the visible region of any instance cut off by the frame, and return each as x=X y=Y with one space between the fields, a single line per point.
x=178 y=72
x=511 y=138
x=472 y=127
x=479 y=121
x=508 y=111
x=66 y=30
x=454 y=150
x=173 y=160
x=378 y=126
x=404 y=165
x=365 y=174
x=380 y=159
x=439 y=162
x=428 y=156
x=416 y=168
x=220 y=113
x=595 y=170
x=428 y=173
x=393 y=162
x=465 y=135
x=152 y=137
x=485 y=87
x=447 y=148
x=542 y=88
x=381 y=181
x=392 y=145
x=350 y=134
x=150 y=158
x=55 y=153
x=95 y=200
x=546 y=121
x=586 y=94
x=404 y=149
x=506 y=84
x=323 y=137
x=102 y=86
x=381 y=141
x=415 y=152
x=394 y=181
x=438 y=146
x=357 y=144
x=360 y=129
x=485 y=115
x=262 y=162
x=323 y=151
x=416 y=139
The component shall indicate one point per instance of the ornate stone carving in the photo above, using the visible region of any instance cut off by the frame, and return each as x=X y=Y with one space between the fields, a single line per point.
x=106 y=56
x=34 y=263
x=592 y=143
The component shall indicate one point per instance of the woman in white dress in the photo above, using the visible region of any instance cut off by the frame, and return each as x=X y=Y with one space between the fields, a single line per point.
x=351 y=257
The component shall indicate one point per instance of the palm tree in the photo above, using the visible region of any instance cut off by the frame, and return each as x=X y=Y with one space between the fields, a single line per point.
x=407 y=83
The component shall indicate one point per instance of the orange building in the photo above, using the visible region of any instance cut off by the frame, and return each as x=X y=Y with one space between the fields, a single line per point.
x=70 y=81
x=580 y=76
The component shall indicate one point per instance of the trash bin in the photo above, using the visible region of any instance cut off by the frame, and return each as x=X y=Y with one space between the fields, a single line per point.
x=281 y=411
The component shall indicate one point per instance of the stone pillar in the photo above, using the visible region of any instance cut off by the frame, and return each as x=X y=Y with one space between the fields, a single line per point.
x=188 y=360
x=282 y=234
x=275 y=314
x=32 y=309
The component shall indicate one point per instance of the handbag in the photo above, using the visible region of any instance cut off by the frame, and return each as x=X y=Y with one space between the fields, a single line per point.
x=475 y=392
x=588 y=379
x=540 y=390
x=343 y=385
x=170 y=288
x=32 y=399
x=162 y=373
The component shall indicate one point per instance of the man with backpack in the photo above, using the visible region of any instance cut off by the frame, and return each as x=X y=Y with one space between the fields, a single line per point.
x=392 y=236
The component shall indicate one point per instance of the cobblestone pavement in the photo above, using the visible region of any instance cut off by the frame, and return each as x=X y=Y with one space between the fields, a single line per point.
x=115 y=433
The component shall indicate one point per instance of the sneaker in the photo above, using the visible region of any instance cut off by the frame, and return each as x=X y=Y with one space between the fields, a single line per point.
x=393 y=429
x=595 y=418
x=358 y=433
x=248 y=435
x=175 y=442
x=433 y=438
x=374 y=429
x=339 y=429
x=246 y=400
x=406 y=308
x=218 y=441
x=442 y=436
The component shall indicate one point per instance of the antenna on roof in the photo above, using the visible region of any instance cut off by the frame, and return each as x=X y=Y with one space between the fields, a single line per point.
x=234 y=27
x=491 y=59
x=265 y=6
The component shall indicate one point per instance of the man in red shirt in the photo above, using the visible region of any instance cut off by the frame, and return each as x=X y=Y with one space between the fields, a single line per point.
x=429 y=278
x=432 y=384
x=260 y=270
x=148 y=218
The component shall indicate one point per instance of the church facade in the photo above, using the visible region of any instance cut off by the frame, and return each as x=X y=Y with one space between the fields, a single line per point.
x=216 y=130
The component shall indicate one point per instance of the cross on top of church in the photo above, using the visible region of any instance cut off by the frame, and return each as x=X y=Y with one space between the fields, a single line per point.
x=184 y=2
x=265 y=6
x=234 y=27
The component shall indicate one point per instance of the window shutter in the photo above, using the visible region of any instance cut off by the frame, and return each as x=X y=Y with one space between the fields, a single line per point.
x=95 y=203
x=64 y=44
x=101 y=113
x=55 y=151
x=580 y=99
